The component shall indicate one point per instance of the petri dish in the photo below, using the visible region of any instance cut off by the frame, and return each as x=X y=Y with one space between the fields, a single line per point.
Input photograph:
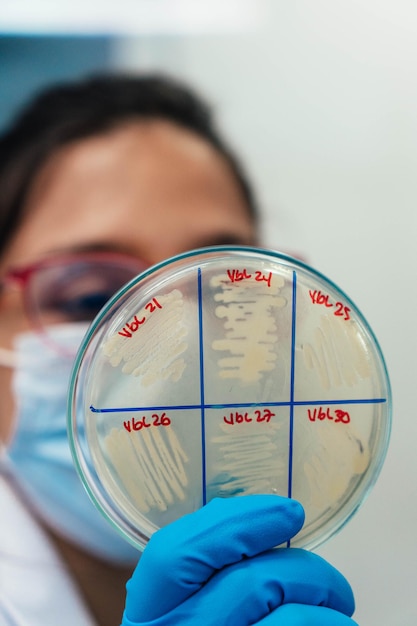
x=222 y=372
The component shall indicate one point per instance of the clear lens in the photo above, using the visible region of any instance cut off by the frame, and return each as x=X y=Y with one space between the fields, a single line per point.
x=76 y=291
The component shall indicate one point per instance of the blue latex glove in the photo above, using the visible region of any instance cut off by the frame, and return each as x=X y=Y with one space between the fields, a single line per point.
x=217 y=567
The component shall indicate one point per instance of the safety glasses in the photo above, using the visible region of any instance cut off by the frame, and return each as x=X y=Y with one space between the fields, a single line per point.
x=71 y=288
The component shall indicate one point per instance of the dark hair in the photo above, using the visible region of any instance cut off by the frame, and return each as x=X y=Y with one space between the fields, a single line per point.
x=71 y=111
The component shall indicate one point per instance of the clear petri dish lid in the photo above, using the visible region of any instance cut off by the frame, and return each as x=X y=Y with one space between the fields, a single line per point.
x=222 y=372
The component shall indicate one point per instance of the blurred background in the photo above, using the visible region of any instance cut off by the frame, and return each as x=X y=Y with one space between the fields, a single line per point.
x=320 y=99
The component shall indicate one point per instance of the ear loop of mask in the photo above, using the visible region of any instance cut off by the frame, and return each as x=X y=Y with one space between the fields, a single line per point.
x=8 y=358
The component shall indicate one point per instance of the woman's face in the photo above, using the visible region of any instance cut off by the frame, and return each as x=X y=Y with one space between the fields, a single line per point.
x=150 y=190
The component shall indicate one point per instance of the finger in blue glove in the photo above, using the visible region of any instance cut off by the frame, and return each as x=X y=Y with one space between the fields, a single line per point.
x=247 y=591
x=304 y=615
x=182 y=556
x=216 y=566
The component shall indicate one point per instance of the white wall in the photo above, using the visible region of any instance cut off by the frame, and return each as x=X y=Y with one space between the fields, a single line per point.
x=322 y=102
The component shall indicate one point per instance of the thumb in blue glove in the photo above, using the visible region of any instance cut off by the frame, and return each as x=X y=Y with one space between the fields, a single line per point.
x=217 y=567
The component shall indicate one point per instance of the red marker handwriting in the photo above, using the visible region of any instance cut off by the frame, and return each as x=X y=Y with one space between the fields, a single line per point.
x=320 y=414
x=236 y=276
x=143 y=422
x=134 y=324
x=239 y=418
x=340 y=310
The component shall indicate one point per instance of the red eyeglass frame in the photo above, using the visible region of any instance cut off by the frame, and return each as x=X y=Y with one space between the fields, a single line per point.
x=21 y=277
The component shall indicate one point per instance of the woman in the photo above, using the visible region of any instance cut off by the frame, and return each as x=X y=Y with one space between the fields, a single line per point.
x=100 y=179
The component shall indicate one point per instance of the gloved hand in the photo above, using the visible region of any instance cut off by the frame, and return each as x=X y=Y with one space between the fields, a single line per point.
x=217 y=567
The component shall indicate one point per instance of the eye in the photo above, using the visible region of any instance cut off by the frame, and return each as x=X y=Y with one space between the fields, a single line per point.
x=79 y=294
x=83 y=307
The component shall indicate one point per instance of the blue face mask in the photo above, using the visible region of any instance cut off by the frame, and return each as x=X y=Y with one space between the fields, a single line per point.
x=39 y=457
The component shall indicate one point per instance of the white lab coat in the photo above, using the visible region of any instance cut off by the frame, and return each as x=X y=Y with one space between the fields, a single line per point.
x=35 y=587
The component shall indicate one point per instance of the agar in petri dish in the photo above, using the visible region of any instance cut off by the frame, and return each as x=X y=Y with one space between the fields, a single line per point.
x=222 y=372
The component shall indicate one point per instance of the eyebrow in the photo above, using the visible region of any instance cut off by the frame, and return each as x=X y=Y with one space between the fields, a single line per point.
x=94 y=246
